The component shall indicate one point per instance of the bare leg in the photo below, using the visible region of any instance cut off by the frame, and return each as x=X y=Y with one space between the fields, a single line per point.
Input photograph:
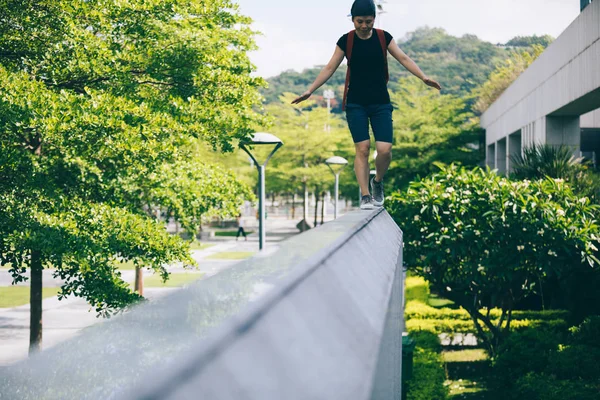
x=361 y=166
x=383 y=160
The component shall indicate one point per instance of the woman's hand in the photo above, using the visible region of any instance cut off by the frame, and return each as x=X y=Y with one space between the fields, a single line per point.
x=303 y=97
x=432 y=83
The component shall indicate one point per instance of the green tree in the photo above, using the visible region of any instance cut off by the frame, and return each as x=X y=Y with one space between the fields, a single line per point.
x=101 y=106
x=460 y=64
x=429 y=128
x=297 y=82
x=301 y=164
x=485 y=242
x=504 y=75
x=529 y=41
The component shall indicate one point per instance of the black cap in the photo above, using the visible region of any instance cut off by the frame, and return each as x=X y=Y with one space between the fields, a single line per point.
x=363 y=8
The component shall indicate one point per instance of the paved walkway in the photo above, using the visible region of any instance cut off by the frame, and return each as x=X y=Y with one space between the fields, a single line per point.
x=64 y=319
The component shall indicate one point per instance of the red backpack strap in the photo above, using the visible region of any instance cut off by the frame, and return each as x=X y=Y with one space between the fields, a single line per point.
x=349 y=46
x=384 y=47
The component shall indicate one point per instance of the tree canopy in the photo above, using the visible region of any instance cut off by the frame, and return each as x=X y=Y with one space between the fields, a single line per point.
x=101 y=106
x=504 y=75
x=307 y=145
x=429 y=128
x=483 y=241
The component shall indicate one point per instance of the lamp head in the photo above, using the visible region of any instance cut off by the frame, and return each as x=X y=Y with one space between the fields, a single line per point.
x=336 y=164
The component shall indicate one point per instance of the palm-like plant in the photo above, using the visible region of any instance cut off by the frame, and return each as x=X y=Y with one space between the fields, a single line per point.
x=544 y=160
x=558 y=162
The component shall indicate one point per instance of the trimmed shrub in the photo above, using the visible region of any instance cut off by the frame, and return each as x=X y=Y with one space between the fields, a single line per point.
x=428 y=378
x=575 y=362
x=524 y=352
x=588 y=333
x=427 y=340
x=417 y=289
x=534 y=364
x=419 y=310
x=547 y=387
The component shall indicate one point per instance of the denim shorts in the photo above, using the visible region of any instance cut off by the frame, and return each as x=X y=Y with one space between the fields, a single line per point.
x=380 y=116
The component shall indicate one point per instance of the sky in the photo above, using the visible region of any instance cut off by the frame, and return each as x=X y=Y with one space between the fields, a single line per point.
x=299 y=34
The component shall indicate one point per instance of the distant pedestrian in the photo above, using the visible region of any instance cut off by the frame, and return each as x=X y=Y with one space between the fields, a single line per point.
x=366 y=98
x=240 y=224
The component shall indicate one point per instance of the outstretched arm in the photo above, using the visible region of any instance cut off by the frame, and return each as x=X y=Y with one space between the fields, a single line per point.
x=410 y=65
x=324 y=75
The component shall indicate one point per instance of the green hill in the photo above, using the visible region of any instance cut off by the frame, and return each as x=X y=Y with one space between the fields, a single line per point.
x=460 y=64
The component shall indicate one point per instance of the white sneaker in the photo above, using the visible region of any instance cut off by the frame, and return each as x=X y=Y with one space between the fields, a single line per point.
x=377 y=190
x=366 y=203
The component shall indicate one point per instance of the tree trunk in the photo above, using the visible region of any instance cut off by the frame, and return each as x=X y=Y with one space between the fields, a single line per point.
x=305 y=203
x=139 y=280
x=316 y=207
x=293 y=205
x=323 y=205
x=35 y=301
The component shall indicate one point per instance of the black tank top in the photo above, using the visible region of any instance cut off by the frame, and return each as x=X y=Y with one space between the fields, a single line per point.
x=367 y=78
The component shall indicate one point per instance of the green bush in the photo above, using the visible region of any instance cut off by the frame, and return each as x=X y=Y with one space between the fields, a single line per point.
x=419 y=310
x=438 y=326
x=547 y=387
x=486 y=242
x=588 y=333
x=426 y=340
x=552 y=325
x=524 y=352
x=417 y=289
x=536 y=364
x=428 y=378
x=575 y=362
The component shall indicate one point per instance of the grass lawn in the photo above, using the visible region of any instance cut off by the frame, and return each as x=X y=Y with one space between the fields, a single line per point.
x=13 y=296
x=468 y=355
x=466 y=389
x=230 y=255
x=230 y=233
x=195 y=245
x=467 y=372
x=175 y=279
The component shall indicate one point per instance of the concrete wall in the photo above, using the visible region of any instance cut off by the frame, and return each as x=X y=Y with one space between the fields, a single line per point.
x=591 y=120
x=321 y=318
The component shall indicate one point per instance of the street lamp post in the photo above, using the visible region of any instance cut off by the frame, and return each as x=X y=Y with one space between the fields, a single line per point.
x=336 y=165
x=328 y=95
x=261 y=139
x=380 y=11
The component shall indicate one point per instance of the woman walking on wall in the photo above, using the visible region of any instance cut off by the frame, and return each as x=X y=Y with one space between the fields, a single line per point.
x=366 y=97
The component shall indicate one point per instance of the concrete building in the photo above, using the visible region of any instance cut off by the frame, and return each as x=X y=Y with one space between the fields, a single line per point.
x=555 y=101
